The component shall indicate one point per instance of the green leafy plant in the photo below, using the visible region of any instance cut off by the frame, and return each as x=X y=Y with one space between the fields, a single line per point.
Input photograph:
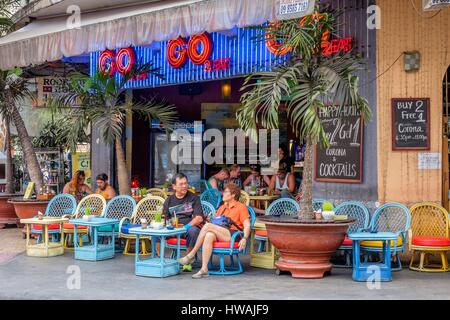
x=158 y=217
x=142 y=192
x=327 y=206
x=88 y=211
x=166 y=185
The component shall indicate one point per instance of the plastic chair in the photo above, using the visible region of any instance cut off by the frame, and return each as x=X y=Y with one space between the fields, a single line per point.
x=157 y=192
x=390 y=217
x=244 y=198
x=119 y=207
x=230 y=249
x=354 y=210
x=283 y=206
x=97 y=205
x=212 y=196
x=146 y=208
x=429 y=235
x=60 y=205
x=317 y=204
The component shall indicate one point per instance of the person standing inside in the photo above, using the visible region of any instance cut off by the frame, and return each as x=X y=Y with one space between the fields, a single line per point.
x=77 y=187
x=186 y=208
x=104 y=188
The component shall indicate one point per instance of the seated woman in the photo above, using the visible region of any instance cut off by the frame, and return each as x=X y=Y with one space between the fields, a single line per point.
x=283 y=183
x=255 y=179
x=210 y=233
x=217 y=181
x=77 y=187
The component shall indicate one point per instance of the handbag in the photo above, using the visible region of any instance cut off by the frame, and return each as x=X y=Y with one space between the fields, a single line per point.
x=225 y=222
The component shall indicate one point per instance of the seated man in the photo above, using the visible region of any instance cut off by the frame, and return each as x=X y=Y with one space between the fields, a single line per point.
x=217 y=181
x=186 y=207
x=283 y=183
x=210 y=233
x=104 y=188
x=235 y=175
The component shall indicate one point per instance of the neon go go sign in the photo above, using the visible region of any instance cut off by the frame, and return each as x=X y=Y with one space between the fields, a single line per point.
x=198 y=49
x=122 y=62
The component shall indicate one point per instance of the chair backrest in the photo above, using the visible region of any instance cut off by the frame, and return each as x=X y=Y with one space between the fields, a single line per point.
x=283 y=206
x=317 y=204
x=252 y=216
x=429 y=219
x=391 y=217
x=244 y=198
x=120 y=207
x=204 y=185
x=355 y=210
x=212 y=196
x=147 y=208
x=157 y=192
x=208 y=209
x=95 y=202
x=60 y=205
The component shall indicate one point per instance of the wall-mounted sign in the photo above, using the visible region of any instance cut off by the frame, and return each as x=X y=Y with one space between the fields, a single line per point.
x=435 y=4
x=51 y=87
x=410 y=124
x=429 y=161
x=291 y=9
x=342 y=161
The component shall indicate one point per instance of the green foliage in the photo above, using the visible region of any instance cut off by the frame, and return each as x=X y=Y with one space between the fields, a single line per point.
x=87 y=211
x=158 y=217
x=327 y=206
x=143 y=191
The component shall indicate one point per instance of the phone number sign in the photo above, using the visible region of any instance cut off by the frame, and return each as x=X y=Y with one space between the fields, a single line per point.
x=291 y=9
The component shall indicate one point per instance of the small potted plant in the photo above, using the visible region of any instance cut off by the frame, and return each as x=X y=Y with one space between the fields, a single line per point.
x=166 y=186
x=327 y=211
x=157 y=223
x=87 y=214
x=253 y=190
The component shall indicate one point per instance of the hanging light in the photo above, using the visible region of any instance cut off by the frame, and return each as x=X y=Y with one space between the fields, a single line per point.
x=226 y=89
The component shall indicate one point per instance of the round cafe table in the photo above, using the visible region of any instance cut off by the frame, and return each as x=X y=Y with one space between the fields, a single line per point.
x=266 y=199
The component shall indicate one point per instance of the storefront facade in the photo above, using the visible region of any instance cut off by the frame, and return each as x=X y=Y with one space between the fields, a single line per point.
x=413 y=175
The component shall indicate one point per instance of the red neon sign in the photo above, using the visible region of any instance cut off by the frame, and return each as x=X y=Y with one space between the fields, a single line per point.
x=335 y=46
x=217 y=65
x=122 y=62
x=178 y=50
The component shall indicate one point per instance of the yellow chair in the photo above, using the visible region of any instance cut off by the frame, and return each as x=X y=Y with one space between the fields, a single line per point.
x=146 y=208
x=429 y=234
x=157 y=192
x=244 y=198
x=97 y=204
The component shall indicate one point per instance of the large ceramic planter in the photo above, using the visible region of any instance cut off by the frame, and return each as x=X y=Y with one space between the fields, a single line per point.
x=28 y=208
x=7 y=212
x=305 y=246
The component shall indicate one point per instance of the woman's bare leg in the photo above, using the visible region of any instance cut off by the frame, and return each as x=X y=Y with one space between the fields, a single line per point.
x=210 y=238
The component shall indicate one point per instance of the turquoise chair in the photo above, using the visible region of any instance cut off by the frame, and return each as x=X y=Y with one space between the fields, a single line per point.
x=359 y=212
x=212 y=196
x=59 y=206
x=317 y=204
x=118 y=208
x=230 y=249
x=390 y=217
x=171 y=243
x=283 y=206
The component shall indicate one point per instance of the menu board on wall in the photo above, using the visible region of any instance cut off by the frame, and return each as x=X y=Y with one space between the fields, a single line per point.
x=342 y=161
x=410 y=124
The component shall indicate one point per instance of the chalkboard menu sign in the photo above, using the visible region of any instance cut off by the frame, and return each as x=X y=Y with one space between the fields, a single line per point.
x=342 y=161
x=410 y=124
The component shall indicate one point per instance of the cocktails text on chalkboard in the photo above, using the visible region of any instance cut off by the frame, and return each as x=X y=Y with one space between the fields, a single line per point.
x=410 y=124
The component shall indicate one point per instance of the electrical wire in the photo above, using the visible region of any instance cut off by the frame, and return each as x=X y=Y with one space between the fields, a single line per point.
x=384 y=72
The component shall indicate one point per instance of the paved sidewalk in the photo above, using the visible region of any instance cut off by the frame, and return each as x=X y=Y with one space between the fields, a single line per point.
x=26 y=277
x=11 y=244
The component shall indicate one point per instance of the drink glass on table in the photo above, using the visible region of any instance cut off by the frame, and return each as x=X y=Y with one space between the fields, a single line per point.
x=144 y=223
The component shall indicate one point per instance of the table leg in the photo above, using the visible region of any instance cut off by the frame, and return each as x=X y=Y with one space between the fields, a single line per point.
x=45 y=235
x=153 y=247
x=75 y=237
x=356 y=259
x=95 y=241
x=178 y=246
x=387 y=256
x=162 y=244
x=137 y=249
x=113 y=241
x=61 y=234
x=28 y=234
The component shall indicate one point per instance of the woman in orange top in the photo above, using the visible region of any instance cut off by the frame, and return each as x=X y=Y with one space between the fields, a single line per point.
x=211 y=233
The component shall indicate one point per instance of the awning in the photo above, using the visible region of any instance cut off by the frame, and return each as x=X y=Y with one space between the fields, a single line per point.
x=53 y=39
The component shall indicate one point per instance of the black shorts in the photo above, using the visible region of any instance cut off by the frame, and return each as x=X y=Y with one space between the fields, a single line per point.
x=238 y=237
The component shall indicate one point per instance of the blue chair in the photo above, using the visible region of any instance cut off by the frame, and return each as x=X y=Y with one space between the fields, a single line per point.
x=317 y=204
x=60 y=205
x=354 y=210
x=171 y=243
x=230 y=249
x=283 y=206
x=212 y=196
x=390 y=217
x=119 y=207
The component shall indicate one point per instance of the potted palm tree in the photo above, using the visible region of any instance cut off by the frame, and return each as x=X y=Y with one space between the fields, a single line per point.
x=308 y=82
x=103 y=106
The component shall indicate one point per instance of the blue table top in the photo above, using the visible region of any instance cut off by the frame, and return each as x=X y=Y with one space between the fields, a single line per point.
x=95 y=222
x=373 y=236
x=157 y=232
